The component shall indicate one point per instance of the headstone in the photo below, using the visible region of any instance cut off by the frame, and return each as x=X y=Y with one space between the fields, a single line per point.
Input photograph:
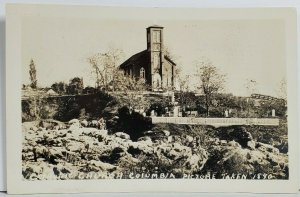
x=226 y=113
x=176 y=111
x=273 y=113
x=152 y=113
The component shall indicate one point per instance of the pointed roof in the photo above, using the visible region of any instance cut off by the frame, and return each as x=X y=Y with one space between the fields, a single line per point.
x=140 y=58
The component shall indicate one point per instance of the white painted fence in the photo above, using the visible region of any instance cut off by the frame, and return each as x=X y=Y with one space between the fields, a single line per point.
x=217 y=121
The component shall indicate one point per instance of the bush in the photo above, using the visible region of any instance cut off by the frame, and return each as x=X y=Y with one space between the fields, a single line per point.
x=132 y=123
x=236 y=133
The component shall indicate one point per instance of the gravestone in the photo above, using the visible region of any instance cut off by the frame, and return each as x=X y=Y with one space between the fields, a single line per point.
x=273 y=113
x=176 y=111
x=226 y=113
x=152 y=113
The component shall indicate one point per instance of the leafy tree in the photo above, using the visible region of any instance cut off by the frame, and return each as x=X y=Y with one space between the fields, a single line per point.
x=59 y=87
x=75 y=86
x=32 y=73
x=211 y=81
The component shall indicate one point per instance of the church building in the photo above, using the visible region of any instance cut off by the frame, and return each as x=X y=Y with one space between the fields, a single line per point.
x=152 y=64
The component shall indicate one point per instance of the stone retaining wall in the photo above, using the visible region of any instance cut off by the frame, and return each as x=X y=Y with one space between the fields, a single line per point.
x=217 y=121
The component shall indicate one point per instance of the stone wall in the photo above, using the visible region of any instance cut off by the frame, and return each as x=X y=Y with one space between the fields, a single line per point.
x=217 y=121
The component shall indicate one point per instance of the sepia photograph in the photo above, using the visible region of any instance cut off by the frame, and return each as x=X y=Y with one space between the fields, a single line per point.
x=153 y=97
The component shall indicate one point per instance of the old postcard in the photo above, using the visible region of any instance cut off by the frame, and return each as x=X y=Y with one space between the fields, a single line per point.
x=109 y=99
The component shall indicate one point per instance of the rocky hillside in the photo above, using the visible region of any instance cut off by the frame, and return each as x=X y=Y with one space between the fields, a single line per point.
x=77 y=150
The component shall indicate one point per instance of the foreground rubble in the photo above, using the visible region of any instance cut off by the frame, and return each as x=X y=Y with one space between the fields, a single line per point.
x=76 y=151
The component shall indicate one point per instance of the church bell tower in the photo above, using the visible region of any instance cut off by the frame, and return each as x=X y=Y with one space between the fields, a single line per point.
x=155 y=50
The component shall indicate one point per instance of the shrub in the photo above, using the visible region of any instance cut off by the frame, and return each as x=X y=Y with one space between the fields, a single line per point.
x=132 y=123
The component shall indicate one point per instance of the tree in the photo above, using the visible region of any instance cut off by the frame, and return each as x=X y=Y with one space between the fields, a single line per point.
x=251 y=86
x=211 y=81
x=105 y=67
x=32 y=73
x=282 y=91
x=109 y=77
x=131 y=91
x=185 y=97
x=75 y=86
x=59 y=87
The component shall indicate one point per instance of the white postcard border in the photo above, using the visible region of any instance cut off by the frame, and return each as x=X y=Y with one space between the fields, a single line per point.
x=15 y=185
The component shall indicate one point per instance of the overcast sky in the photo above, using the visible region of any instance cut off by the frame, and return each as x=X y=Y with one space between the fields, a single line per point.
x=243 y=49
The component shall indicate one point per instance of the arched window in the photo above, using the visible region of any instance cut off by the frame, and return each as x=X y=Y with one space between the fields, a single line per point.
x=142 y=73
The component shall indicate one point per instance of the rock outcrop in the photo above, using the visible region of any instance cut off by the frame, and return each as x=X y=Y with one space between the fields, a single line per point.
x=76 y=150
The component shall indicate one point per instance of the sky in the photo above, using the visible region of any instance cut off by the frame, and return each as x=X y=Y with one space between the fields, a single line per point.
x=241 y=49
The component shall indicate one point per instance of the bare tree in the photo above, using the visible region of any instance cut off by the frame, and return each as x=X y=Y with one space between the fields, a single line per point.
x=282 y=91
x=251 y=86
x=105 y=67
x=32 y=74
x=185 y=96
x=211 y=81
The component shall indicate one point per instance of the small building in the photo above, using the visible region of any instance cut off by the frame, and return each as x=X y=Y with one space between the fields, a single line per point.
x=152 y=64
x=51 y=92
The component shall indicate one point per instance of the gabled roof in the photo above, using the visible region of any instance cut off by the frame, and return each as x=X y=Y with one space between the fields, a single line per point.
x=140 y=58
x=51 y=92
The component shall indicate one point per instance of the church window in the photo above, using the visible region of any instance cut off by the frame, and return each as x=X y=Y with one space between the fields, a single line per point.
x=142 y=73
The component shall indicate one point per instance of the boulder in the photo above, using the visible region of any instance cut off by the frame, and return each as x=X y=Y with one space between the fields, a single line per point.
x=166 y=133
x=75 y=146
x=122 y=135
x=189 y=138
x=251 y=144
x=195 y=162
x=74 y=121
x=74 y=124
x=84 y=123
x=236 y=133
x=170 y=139
x=223 y=142
x=234 y=144
x=266 y=147
x=146 y=140
x=93 y=123
x=103 y=166
x=34 y=128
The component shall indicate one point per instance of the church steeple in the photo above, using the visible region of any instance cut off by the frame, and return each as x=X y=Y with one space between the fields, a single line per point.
x=155 y=49
x=155 y=38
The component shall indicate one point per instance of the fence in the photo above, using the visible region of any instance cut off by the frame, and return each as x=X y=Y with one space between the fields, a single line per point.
x=217 y=121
